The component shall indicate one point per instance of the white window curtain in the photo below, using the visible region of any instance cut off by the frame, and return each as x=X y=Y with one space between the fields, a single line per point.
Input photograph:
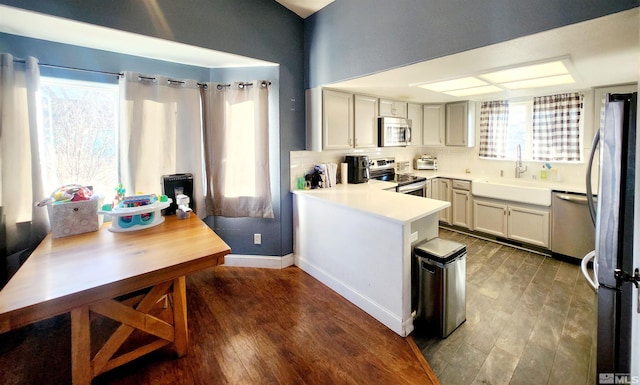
x=160 y=134
x=20 y=175
x=236 y=137
x=556 y=127
x=494 y=125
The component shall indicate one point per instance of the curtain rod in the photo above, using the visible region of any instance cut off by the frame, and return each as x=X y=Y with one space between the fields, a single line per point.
x=118 y=74
x=263 y=84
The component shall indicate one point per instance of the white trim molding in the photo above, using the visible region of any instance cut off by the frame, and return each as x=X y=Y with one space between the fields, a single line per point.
x=264 y=261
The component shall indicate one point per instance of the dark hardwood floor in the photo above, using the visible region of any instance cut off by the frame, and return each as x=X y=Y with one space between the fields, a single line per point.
x=246 y=326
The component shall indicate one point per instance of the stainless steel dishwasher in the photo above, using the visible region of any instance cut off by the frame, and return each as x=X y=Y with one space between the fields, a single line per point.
x=572 y=231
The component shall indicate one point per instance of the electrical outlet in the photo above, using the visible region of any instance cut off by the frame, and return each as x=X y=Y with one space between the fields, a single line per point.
x=413 y=237
x=257 y=239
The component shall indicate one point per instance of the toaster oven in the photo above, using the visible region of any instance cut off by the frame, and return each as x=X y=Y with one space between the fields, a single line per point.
x=425 y=162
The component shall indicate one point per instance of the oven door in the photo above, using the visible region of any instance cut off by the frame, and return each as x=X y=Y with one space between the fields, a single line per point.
x=417 y=189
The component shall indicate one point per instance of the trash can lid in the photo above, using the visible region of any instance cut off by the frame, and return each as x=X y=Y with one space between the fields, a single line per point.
x=440 y=250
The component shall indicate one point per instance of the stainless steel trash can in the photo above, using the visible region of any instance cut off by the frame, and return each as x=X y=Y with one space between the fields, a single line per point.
x=441 y=283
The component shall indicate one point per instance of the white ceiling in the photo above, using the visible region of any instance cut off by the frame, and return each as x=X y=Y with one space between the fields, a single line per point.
x=603 y=51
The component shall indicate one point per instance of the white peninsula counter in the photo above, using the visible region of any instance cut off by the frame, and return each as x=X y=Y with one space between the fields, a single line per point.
x=358 y=239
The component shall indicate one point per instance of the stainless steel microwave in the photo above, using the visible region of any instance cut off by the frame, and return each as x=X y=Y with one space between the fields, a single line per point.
x=394 y=132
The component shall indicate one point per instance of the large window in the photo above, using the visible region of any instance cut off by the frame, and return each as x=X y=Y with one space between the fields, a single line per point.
x=547 y=129
x=78 y=138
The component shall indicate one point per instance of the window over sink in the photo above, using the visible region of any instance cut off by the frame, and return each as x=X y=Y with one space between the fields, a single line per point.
x=557 y=136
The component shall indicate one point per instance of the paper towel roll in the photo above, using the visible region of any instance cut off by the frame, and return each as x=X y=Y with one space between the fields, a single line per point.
x=344 y=172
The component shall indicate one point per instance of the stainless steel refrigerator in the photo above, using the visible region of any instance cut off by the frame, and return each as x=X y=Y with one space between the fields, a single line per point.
x=613 y=216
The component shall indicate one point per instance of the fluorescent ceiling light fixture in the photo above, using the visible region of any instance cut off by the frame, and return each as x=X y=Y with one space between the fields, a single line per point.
x=526 y=76
x=540 y=82
x=455 y=84
x=527 y=72
x=474 y=91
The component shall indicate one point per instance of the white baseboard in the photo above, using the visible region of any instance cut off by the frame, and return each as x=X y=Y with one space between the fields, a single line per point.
x=264 y=261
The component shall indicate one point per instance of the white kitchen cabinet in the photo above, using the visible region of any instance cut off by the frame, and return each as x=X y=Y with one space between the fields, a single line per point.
x=428 y=189
x=490 y=217
x=348 y=121
x=337 y=120
x=459 y=124
x=393 y=108
x=366 y=121
x=441 y=190
x=461 y=204
x=523 y=223
x=414 y=113
x=528 y=225
x=433 y=117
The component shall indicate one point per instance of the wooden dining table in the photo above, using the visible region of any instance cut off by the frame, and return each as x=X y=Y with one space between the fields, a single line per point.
x=118 y=275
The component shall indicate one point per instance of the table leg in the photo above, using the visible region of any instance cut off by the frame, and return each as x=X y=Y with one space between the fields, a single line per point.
x=181 y=333
x=81 y=346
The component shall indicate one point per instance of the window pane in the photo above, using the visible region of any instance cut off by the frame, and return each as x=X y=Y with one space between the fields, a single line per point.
x=78 y=134
x=241 y=154
x=519 y=120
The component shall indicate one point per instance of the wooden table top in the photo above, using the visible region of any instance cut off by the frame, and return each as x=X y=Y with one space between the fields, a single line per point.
x=64 y=273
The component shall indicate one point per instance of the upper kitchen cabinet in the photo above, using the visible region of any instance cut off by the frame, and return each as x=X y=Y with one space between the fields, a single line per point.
x=433 y=117
x=366 y=121
x=414 y=113
x=459 y=124
x=337 y=120
x=393 y=108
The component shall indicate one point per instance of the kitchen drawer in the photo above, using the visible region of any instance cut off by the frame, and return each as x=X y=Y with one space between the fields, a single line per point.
x=461 y=184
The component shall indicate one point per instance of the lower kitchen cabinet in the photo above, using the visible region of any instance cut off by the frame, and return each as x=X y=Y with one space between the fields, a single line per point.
x=461 y=208
x=490 y=217
x=529 y=224
x=441 y=190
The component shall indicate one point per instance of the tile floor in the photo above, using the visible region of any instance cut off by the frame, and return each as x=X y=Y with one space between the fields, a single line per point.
x=530 y=320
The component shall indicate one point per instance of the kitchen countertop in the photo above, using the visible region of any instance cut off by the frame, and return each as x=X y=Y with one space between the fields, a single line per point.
x=552 y=185
x=372 y=198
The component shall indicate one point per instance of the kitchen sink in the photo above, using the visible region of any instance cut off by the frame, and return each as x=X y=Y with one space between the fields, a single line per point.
x=514 y=190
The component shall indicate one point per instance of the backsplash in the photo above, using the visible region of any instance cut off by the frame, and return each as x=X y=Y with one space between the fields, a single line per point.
x=453 y=160
x=302 y=162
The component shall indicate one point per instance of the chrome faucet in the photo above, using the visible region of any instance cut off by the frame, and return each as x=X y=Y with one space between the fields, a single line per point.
x=519 y=168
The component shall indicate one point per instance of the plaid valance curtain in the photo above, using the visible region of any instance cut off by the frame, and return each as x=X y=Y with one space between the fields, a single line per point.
x=494 y=123
x=556 y=127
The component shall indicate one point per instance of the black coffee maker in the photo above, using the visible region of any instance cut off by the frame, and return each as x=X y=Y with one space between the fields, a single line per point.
x=358 y=168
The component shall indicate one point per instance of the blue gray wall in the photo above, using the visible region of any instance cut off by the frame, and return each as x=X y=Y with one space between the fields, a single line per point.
x=347 y=39
x=261 y=29
x=352 y=38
